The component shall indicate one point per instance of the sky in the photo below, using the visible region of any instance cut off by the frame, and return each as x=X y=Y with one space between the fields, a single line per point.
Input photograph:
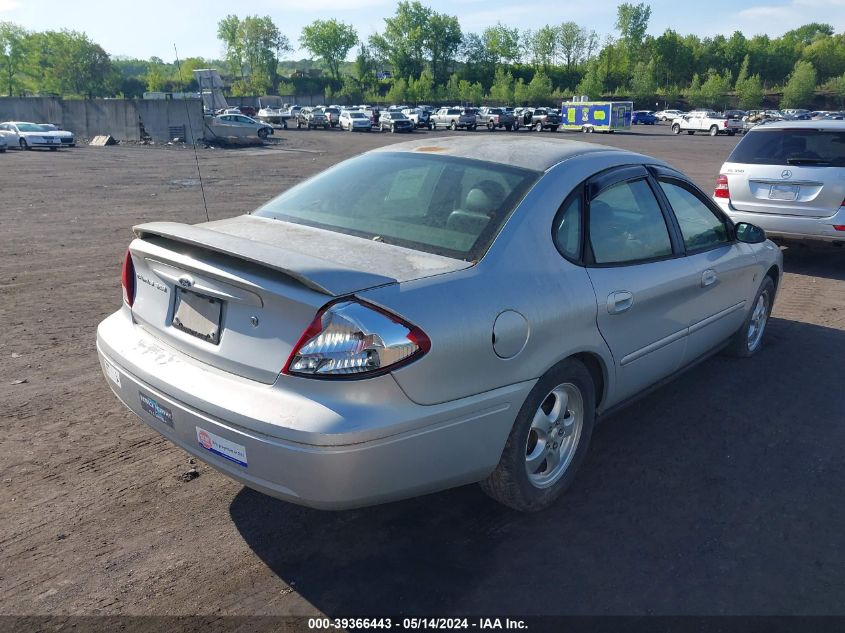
x=151 y=27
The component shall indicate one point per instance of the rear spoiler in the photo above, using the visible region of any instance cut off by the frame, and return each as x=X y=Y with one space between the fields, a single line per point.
x=327 y=277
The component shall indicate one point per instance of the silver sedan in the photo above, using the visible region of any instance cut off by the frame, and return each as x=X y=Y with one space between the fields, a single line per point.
x=431 y=314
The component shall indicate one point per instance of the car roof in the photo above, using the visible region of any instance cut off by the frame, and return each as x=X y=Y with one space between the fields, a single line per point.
x=812 y=125
x=537 y=154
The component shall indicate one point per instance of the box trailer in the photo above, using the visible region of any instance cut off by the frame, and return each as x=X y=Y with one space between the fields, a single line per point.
x=596 y=116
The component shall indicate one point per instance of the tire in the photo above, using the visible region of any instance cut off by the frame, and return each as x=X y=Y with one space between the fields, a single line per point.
x=54 y=149
x=690 y=132
x=327 y=126
x=731 y=133
x=516 y=126
x=393 y=129
x=553 y=128
x=714 y=131
x=453 y=126
x=748 y=340
x=24 y=145
x=490 y=126
x=262 y=133
x=508 y=127
x=510 y=483
x=298 y=125
x=538 y=127
x=432 y=127
x=472 y=128
x=676 y=129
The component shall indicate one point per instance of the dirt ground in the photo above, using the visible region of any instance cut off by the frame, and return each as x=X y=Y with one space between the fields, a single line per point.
x=720 y=494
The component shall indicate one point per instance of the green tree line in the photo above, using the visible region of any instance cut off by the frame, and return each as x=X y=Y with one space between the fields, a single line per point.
x=422 y=55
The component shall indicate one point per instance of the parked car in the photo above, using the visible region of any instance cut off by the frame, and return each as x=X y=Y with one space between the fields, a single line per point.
x=240 y=126
x=351 y=120
x=273 y=116
x=312 y=118
x=453 y=118
x=333 y=115
x=245 y=110
x=496 y=118
x=65 y=137
x=706 y=121
x=418 y=356
x=419 y=117
x=739 y=115
x=787 y=177
x=669 y=115
x=540 y=119
x=395 y=121
x=28 y=136
x=643 y=117
x=3 y=144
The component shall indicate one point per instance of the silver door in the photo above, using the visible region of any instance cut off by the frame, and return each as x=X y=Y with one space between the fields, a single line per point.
x=642 y=287
x=723 y=270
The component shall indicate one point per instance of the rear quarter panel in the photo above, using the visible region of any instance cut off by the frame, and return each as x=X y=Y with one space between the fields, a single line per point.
x=522 y=271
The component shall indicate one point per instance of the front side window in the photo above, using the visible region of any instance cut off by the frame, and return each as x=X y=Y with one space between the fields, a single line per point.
x=700 y=227
x=626 y=225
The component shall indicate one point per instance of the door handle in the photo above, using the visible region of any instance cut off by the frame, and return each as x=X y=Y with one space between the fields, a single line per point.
x=619 y=301
x=708 y=277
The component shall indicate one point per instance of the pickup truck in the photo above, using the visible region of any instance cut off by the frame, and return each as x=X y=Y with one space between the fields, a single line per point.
x=495 y=118
x=453 y=118
x=540 y=119
x=706 y=121
x=418 y=116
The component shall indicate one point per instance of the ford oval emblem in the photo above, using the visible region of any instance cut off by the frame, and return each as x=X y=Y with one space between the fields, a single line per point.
x=186 y=282
x=786 y=173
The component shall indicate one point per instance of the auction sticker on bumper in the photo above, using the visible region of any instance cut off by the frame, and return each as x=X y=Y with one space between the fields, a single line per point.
x=159 y=412
x=222 y=447
x=111 y=372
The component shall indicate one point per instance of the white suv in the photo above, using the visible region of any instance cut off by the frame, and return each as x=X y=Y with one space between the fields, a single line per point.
x=788 y=177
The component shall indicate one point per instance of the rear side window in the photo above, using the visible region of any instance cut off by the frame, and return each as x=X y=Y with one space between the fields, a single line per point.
x=627 y=225
x=700 y=227
x=567 y=232
x=796 y=146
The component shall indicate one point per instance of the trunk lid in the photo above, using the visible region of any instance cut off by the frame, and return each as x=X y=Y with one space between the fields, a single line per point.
x=815 y=192
x=238 y=293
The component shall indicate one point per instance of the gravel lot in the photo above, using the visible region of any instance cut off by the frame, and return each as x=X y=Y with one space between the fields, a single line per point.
x=720 y=494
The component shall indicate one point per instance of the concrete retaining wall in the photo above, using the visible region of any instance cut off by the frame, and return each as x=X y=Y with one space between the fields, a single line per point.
x=121 y=118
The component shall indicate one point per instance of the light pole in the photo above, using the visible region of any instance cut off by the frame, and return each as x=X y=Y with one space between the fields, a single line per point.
x=7 y=50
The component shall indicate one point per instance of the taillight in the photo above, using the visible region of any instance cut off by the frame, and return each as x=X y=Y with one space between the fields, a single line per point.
x=127 y=280
x=839 y=227
x=353 y=339
x=722 y=190
x=725 y=123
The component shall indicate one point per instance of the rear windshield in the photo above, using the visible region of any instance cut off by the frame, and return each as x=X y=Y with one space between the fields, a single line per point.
x=797 y=146
x=436 y=204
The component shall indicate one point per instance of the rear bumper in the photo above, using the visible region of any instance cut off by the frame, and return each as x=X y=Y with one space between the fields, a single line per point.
x=325 y=449
x=790 y=226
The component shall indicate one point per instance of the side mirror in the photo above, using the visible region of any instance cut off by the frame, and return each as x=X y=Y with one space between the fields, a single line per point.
x=749 y=233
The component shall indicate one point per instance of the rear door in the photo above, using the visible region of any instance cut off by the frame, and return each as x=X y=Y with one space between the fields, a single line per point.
x=641 y=280
x=789 y=171
x=723 y=270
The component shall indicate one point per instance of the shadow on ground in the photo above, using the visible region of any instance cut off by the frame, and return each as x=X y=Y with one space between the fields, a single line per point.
x=815 y=261
x=719 y=494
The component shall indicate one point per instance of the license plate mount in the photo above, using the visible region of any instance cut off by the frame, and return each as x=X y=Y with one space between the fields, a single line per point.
x=788 y=193
x=198 y=315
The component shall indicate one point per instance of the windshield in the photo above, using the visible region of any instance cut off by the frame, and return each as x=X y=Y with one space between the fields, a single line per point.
x=436 y=204
x=797 y=146
x=30 y=127
x=357 y=115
